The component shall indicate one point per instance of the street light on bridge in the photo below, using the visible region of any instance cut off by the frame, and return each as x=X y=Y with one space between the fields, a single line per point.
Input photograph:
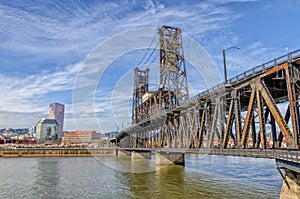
x=224 y=62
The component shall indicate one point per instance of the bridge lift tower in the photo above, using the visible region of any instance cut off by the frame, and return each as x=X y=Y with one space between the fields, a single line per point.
x=173 y=78
x=141 y=78
x=173 y=89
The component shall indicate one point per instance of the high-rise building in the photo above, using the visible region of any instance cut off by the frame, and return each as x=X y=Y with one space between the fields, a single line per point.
x=57 y=112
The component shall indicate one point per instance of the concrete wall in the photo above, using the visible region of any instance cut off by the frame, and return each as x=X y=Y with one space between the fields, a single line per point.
x=122 y=153
x=169 y=158
x=292 y=190
x=140 y=155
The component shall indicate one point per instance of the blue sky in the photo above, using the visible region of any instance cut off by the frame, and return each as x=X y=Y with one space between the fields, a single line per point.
x=45 y=44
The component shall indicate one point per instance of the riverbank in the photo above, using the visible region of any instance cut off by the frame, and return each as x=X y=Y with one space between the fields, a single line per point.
x=55 y=152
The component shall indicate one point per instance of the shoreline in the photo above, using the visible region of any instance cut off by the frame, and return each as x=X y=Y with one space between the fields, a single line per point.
x=54 y=152
x=53 y=155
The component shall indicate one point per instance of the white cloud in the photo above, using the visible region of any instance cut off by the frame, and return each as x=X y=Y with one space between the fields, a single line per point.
x=25 y=98
x=58 y=33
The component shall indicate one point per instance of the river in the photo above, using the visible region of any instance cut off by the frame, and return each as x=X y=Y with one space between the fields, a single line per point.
x=107 y=177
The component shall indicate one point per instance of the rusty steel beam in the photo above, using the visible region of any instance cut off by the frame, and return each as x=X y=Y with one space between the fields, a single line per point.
x=273 y=70
x=237 y=115
x=183 y=130
x=213 y=127
x=202 y=125
x=275 y=112
x=229 y=123
x=196 y=125
x=286 y=118
x=248 y=118
x=292 y=100
x=253 y=129
x=274 y=135
x=221 y=120
x=262 y=123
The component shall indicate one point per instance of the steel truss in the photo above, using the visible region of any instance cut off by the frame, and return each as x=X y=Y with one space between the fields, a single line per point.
x=248 y=113
x=173 y=80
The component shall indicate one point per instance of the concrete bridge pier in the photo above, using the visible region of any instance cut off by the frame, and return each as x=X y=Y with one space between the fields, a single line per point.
x=140 y=155
x=122 y=153
x=291 y=180
x=133 y=154
x=291 y=185
x=165 y=158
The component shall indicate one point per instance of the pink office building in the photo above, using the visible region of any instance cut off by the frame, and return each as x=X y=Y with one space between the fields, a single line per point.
x=57 y=112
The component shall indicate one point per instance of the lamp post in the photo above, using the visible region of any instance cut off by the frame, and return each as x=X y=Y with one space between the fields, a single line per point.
x=224 y=62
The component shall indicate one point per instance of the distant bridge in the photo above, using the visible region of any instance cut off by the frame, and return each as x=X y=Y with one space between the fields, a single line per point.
x=240 y=118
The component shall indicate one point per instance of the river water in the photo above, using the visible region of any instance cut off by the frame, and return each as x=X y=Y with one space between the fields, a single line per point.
x=107 y=177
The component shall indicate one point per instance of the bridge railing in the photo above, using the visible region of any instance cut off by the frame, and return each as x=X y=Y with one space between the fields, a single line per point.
x=288 y=155
x=256 y=70
x=291 y=156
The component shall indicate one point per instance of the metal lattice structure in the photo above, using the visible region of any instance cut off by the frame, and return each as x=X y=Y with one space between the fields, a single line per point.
x=173 y=90
x=173 y=79
x=141 y=78
x=247 y=113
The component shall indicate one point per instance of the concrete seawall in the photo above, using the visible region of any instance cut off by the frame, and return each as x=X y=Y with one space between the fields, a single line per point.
x=55 y=152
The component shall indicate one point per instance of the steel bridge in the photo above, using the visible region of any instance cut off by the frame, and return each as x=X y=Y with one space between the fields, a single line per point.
x=255 y=114
x=233 y=115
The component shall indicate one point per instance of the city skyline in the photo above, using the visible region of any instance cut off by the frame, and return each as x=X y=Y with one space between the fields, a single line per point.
x=43 y=48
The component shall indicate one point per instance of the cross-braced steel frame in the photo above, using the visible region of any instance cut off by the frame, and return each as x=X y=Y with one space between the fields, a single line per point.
x=257 y=109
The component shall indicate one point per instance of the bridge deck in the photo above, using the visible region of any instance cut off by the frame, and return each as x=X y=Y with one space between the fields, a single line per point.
x=287 y=155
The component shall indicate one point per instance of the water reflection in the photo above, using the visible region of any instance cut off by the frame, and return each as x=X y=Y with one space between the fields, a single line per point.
x=207 y=177
x=126 y=164
x=171 y=182
x=45 y=177
x=163 y=183
x=202 y=177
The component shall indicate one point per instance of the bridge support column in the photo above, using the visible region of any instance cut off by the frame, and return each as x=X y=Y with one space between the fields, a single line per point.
x=291 y=186
x=163 y=158
x=291 y=181
x=140 y=155
x=122 y=153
